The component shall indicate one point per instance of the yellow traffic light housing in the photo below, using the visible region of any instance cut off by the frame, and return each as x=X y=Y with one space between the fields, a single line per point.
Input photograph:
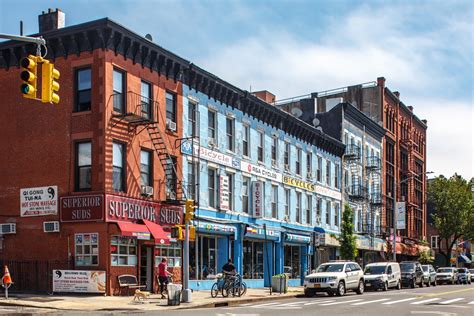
x=189 y=214
x=192 y=233
x=49 y=84
x=177 y=232
x=29 y=76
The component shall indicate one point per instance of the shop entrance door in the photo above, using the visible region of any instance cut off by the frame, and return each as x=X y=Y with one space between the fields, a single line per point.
x=146 y=267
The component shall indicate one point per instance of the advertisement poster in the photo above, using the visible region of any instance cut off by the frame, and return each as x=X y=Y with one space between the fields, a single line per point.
x=257 y=196
x=400 y=215
x=39 y=201
x=224 y=193
x=77 y=281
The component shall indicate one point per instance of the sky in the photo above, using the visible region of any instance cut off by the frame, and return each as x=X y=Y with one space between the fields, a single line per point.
x=424 y=49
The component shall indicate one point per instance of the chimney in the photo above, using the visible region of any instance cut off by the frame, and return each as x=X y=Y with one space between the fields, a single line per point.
x=265 y=96
x=51 y=20
x=381 y=82
x=397 y=94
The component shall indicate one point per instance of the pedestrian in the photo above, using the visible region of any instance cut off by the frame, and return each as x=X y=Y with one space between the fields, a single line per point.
x=163 y=275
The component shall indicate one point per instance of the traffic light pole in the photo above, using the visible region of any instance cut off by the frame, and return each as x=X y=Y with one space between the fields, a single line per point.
x=37 y=40
x=186 y=290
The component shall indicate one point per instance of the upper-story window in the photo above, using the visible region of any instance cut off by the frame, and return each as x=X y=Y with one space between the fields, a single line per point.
x=287 y=202
x=260 y=146
x=298 y=161
x=212 y=187
x=171 y=177
x=298 y=207
x=212 y=125
x=328 y=212
x=328 y=173
x=192 y=123
x=309 y=164
x=274 y=151
x=83 y=89
x=246 y=141
x=286 y=155
x=118 y=166
x=119 y=91
x=319 y=205
x=83 y=166
x=230 y=133
x=192 y=180
x=274 y=201
x=170 y=106
x=319 y=171
x=336 y=214
x=309 y=207
x=346 y=138
x=336 y=176
x=146 y=99
x=146 y=168
x=245 y=194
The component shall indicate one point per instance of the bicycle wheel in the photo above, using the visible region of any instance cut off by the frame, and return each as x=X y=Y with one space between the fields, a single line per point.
x=214 y=290
x=242 y=288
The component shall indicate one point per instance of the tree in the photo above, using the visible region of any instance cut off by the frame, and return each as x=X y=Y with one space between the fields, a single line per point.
x=453 y=211
x=347 y=239
x=425 y=257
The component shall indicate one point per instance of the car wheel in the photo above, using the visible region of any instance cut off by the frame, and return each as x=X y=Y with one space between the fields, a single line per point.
x=399 y=285
x=453 y=282
x=360 y=288
x=330 y=293
x=309 y=293
x=385 y=286
x=413 y=283
x=435 y=283
x=341 y=289
x=429 y=283
x=421 y=283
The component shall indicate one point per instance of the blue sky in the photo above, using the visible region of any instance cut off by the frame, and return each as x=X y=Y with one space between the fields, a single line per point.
x=424 y=49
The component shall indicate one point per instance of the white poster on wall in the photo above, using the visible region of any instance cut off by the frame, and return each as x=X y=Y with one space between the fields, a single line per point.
x=39 y=201
x=224 y=192
x=401 y=214
x=257 y=198
x=77 y=281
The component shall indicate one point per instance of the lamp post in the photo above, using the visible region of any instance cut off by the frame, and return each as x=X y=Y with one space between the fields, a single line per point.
x=395 y=209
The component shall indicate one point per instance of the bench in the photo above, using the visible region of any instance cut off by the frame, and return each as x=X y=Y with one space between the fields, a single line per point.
x=128 y=281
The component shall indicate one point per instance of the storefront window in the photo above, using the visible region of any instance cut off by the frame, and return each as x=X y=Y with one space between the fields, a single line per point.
x=253 y=259
x=203 y=257
x=172 y=253
x=292 y=261
x=87 y=249
x=124 y=251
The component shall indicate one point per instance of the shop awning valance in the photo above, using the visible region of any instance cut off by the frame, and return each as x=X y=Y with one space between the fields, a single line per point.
x=161 y=237
x=215 y=228
x=297 y=238
x=134 y=230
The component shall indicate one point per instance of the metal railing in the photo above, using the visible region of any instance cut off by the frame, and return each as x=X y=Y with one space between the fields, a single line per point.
x=134 y=108
x=373 y=163
x=357 y=191
x=352 y=152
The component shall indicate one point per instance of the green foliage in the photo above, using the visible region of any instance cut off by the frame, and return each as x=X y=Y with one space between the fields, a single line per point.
x=425 y=257
x=347 y=239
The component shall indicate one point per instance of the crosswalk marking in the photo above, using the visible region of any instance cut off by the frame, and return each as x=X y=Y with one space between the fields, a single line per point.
x=318 y=302
x=426 y=301
x=266 y=304
x=451 y=301
x=341 y=302
x=471 y=303
x=400 y=301
x=370 y=302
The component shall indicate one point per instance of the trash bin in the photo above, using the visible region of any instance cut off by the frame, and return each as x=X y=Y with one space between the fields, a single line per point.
x=174 y=294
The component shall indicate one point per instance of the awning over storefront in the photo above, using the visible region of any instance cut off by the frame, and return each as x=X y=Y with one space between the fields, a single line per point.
x=161 y=237
x=297 y=238
x=259 y=233
x=134 y=230
x=462 y=258
x=208 y=227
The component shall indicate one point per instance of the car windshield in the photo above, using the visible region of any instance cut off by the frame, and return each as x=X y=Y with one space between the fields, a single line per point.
x=426 y=268
x=461 y=270
x=407 y=267
x=471 y=270
x=444 y=270
x=330 y=268
x=374 y=270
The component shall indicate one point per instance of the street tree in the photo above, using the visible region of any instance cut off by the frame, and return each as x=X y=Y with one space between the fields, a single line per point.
x=453 y=211
x=347 y=239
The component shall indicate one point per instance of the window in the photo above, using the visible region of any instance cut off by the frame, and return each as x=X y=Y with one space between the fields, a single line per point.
x=146 y=168
x=287 y=202
x=434 y=242
x=212 y=187
x=346 y=138
x=87 y=249
x=124 y=251
x=260 y=146
x=274 y=201
x=192 y=180
x=320 y=169
x=245 y=194
x=253 y=259
x=83 y=89
x=274 y=151
x=118 y=167
x=230 y=133
x=231 y=190
x=328 y=173
x=146 y=99
x=286 y=155
x=192 y=127
x=336 y=214
x=328 y=211
x=309 y=165
x=203 y=257
x=292 y=261
x=309 y=207
x=119 y=93
x=83 y=166
x=336 y=176
x=298 y=161
x=298 y=207
x=171 y=178
x=319 y=205
x=172 y=253
x=245 y=141
x=211 y=125
x=170 y=106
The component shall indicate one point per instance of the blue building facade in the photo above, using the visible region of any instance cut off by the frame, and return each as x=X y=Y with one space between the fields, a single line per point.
x=268 y=199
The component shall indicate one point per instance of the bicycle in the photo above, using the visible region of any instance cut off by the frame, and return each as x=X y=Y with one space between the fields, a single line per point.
x=218 y=286
x=236 y=286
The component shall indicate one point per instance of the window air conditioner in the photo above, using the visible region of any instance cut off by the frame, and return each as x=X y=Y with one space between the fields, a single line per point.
x=212 y=142
x=147 y=190
x=9 y=228
x=309 y=175
x=170 y=125
x=274 y=164
x=51 y=227
x=287 y=168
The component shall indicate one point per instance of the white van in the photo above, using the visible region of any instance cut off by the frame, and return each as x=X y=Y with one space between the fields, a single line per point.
x=382 y=275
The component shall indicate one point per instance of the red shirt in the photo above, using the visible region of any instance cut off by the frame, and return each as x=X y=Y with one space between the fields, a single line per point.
x=162 y=267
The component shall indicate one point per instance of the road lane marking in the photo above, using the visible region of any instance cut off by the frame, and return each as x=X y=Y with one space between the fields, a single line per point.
x=446 y=293
x=318 y=302
x=434 y=312
x=426 y=301
x=451 y=301
x=293 y=303
x=400 y=301
x=471 y=303
x=369 y=302
x=341 y=302
x=266 y=304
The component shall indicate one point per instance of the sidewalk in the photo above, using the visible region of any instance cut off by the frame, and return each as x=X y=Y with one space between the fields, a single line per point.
x=200 y=299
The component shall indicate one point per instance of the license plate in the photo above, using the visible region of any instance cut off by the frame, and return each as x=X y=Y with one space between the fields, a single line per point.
x=317 y=285
x=368 y=285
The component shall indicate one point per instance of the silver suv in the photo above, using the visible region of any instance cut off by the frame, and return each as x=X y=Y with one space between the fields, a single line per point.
x=335 y=277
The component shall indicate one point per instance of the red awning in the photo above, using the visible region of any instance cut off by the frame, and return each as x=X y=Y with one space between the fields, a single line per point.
x=135 y=230
x=161 y=237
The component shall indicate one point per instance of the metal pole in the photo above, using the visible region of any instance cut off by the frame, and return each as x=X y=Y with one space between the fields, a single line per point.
x=266 y=252
x=36 y=40
x=186 y=290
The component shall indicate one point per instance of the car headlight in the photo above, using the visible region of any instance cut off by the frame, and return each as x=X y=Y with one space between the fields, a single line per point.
x=378 y=278
x=333 y=278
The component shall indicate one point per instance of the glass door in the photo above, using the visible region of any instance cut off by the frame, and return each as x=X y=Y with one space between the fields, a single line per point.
x=146 y=267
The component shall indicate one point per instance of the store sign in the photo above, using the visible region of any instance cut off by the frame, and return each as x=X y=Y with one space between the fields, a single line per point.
x=217 y=228
x=76 y=281
x=328 y=192
x=260 y=171
x=261 y=232
x=257 y=198
x=401 y=213
x=170 y=215
x=82 y=208
x=298 y=238
x=39 y=201
x=308 y=186
x=224 y=192
x=209 y=155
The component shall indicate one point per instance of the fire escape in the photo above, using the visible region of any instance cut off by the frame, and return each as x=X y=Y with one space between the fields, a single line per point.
x=145 y=113
x=356 y=191
x=373 y=167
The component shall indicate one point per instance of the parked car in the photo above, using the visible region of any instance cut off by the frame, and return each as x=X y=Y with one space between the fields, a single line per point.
x=471 y=271
x=446 y=275
x=382 y=275
x=429 y=274
x=412 y=274
x=335 y=278
x=464 y=276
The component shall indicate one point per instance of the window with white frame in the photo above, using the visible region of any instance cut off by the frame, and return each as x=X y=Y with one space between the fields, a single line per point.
x=146 y=173
x=246 y=141
x=171 y=106
x=87 y=249
x=346 y=138
x=212 y=126
x=336 y=176
x=245 y=194
x=286 y=155
x=309 y=165
x=274 y=150
x=260 y=146
x=212 y=187
x=328 y=173
x=192 y=180
x=192 y=119
x=336 y=214
x=123 y=251
x=298 y=207
x=434 y=242
x=274 y=201
x=172 y=253
x=287 y=202
x=230 y=133
x=298 y=161
x=309 y=207
x=328 y=212
x=319 y=171
x=319 y=205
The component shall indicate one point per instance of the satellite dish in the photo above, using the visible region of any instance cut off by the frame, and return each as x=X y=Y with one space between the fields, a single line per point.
x=316 y=121
x=148 y=37
x=296 y=112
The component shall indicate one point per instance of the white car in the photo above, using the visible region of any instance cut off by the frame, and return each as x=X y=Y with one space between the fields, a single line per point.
x=446 y=275
x=382 y=275
x=335 y=278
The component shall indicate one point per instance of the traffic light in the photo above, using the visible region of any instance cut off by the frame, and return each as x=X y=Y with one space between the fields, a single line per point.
x=177 y=232
x=49 y=84
x=192 y=233
x=189 y=215
x=29 y=76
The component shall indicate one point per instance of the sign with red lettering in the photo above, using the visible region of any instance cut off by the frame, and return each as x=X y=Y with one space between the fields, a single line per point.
x=39 y=201
x=82 y=208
